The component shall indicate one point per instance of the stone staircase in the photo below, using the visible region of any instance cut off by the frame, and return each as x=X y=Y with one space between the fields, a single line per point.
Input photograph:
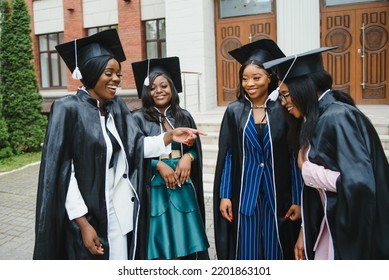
x=209 y=122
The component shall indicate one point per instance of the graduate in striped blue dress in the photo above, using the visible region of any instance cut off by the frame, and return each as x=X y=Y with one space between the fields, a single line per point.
x=257 y=186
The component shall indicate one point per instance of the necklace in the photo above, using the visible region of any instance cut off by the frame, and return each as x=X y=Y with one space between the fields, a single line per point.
x=259 y=107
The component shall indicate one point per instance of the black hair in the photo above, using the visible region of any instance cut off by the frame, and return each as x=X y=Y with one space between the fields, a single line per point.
x=148 y=103
x=303 y=93
x=323 y=81
x=293 y=134
x=92 y=69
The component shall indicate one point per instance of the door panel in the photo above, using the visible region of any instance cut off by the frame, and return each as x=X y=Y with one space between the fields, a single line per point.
x=373 y=43
x=359 y=65
x=231 y=34
x=338 y=30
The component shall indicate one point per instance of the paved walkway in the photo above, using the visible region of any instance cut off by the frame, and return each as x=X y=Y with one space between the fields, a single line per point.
x=17 y=214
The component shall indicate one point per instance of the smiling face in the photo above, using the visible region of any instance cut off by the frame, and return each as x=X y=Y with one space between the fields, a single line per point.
x=286 y=101
x=161 y=92
x=255 y=81
x=108 y=82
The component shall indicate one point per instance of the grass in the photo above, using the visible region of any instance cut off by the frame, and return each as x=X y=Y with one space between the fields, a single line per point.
x=19 y=161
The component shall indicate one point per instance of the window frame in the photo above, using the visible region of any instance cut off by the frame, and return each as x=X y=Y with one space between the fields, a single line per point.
x=97 y=29
x=59 y=65
x=158 y=40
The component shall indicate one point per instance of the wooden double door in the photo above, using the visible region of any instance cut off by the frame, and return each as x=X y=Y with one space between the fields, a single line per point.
x=360 y=66
x=231 y=34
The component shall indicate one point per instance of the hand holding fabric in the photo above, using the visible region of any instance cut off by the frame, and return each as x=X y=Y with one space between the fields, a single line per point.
x=226 y=209
x=168 y=174
x=183 y=168
x=294 y=212
x=89 y=236
x=299 y=247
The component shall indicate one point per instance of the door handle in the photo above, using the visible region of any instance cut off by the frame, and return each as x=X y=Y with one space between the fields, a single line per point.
x=362 y=53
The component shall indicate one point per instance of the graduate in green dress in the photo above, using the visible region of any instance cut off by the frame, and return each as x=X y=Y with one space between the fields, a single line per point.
x=173 y=205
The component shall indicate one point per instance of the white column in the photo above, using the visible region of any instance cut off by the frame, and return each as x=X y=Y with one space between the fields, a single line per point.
x=298 y=25
x=190 y=35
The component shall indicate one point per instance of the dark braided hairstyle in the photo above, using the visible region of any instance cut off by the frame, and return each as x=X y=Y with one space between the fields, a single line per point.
x=148 y=103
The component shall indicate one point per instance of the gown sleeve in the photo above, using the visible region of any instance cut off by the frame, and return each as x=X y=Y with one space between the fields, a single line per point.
x=74 y=204
x=318 y=177
x=154 y=146
x=226 y=181
x=297 y=181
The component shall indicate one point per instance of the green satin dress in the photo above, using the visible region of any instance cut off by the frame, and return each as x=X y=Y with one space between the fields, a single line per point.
x=176 y=226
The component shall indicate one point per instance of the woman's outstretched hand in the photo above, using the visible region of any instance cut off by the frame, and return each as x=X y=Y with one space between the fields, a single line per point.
x=183 y=135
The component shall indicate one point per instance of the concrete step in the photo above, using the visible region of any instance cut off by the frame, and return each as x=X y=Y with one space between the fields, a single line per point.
x=210 y=151
x=385 y=141
x=208 y=178
x=211 y=139
x=208 y=188
x=381 y=127
x=208 y=127
x=209 y=165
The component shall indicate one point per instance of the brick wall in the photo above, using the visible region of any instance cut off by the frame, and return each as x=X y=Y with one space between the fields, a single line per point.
x=130 y=32
x=73 y=23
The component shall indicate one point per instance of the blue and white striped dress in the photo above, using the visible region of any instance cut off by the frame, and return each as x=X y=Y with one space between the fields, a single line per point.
x=257 y=231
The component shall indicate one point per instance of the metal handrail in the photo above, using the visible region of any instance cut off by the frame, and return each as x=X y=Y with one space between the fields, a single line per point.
x=363 y=55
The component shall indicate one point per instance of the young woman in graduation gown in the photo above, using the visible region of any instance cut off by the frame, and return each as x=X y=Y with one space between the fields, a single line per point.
x=345 y=169
x=175 y=227
x=92 y=161
x=256 y=173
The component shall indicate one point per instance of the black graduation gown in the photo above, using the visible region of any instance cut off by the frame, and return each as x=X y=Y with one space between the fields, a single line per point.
x=346 y=141
x=74 y=134
x=153 y=129
x=231 y=136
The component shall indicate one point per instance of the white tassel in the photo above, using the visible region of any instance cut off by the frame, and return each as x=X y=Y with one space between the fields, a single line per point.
x=76 y=74
x=146 y=81
x=274 y=95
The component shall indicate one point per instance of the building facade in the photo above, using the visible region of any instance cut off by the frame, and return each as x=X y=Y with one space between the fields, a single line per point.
x=201 y=32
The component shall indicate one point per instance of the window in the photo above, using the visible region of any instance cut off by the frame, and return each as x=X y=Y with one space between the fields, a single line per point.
x=53 y=69
x=344 y=2
x=94 y=30
x=235 y=8
x=155 y=38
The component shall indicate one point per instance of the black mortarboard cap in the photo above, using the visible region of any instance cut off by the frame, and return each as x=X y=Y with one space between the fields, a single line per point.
x=79 y=51
x=299 y=65
x=169 y=66
x=262 y=50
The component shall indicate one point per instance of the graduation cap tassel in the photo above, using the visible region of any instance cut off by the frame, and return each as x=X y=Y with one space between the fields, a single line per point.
x=76 y=73
x=274 y=94
x=147 y=81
